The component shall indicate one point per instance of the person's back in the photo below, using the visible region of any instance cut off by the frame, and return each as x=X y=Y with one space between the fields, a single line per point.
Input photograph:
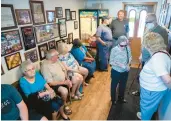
x=9 y=100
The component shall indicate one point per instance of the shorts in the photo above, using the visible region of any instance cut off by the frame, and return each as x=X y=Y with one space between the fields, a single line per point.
x=55 y=88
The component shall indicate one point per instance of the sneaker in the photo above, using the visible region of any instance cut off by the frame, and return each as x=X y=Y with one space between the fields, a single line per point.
x=139 y=115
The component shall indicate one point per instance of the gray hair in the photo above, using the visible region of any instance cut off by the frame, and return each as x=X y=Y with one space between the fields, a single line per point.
x=24 y=65
x=121 y=39
x=151 y=17
x=61 y=47
x=50 y=53
x=154 y=42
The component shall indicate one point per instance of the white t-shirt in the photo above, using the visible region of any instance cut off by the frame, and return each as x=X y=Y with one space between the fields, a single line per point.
x=157 y=66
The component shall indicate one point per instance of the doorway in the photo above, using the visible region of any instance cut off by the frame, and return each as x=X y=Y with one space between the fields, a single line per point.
x=136 y=14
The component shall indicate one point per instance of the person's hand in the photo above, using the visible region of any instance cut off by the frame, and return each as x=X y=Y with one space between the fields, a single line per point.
x=68 y=83
x=42 y=94
x=92 y=59
x=104 y=43
x=52 y=93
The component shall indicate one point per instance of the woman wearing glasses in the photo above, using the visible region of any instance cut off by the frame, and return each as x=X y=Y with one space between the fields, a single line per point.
x=120 y=59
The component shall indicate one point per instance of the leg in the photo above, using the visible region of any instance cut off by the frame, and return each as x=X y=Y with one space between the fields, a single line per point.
x=115 y=80
x=64 y=116
x=64 y=93
x=54 y=114
x=90 y=66
x=103 y=57
x=83 y=71
x=149 y=102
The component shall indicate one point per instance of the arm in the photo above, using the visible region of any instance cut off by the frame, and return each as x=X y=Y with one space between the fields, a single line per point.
x=23 y=110
x=167 y=80
x=98 y=35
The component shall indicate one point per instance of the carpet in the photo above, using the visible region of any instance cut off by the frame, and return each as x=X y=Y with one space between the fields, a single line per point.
x=128 y=110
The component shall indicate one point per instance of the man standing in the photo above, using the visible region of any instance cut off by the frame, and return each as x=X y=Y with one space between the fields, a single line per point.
x=119 y=26
x=104 y=43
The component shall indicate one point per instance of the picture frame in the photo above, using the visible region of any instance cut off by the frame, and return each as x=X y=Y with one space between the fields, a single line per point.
x=75 y=24
x=52 y=44
x=23 y=16
x=70 y=38
x=46 y=32
x=28 y=37
x=2 y=70
x=62 y=27
x=37 y=9
x=31 y=55
x=73 y=15
x=13 y=60
x=59 y=12
x=67 y=14
x=51 y=16
x=43 y=48
x=64 y=40
x=8 y=20
x=10 y=42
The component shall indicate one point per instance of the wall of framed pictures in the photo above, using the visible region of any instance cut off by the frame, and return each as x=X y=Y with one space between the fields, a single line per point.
x=32 y=30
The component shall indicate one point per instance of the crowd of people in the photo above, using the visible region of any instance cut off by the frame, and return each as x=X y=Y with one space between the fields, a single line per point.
x=65 y=72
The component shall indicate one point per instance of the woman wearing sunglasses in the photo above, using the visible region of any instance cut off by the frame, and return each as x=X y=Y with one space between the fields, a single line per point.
x=120 y=59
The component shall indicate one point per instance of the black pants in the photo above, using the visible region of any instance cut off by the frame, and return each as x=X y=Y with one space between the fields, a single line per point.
x=120 y=78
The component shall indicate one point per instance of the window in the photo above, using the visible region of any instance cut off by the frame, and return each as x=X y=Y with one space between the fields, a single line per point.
x=143 y=14
x=131 y=23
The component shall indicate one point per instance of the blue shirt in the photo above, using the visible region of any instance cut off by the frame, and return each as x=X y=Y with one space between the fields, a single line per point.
x=119 y=57
x=79 y=53
x=104 y=33
x=9 y=100
x=29 y=88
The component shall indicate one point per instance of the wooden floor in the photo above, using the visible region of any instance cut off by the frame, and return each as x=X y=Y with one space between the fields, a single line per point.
x=96 y=103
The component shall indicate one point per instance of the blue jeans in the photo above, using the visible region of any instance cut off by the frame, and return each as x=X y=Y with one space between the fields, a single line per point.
x=121 y=78
x=149 y=102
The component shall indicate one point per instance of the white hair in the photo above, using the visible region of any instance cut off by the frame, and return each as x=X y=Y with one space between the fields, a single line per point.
x=61 y=48
x=24 y=65
x=50 y=53
x=121 y=39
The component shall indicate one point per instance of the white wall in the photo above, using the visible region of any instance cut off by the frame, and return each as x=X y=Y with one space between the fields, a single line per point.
x=115 y=5
x=13 y=75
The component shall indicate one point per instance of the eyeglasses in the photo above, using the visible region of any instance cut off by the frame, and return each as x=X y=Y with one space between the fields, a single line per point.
x=148 y=22
x=123 y=45
x=32 y=69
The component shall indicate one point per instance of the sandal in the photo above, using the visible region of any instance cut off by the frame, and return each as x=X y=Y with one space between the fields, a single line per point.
x=75 y=98
x=136 y=93
x=80 y=94
x=86 y=84
x=67 y=110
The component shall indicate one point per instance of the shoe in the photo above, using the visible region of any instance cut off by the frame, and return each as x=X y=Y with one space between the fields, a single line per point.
x=65 y=118
x=121 y=100
x=136 y=93
x=139 y=115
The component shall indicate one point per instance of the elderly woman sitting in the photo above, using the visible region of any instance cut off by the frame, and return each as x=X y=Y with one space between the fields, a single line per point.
x=120 y=59
x=155 y=77
x=83 y=57
x=75 y=71
x=39 y=92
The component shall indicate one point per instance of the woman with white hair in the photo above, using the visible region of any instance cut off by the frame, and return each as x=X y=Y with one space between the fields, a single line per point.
x=39 y=93
x=155 y=76
x=120 y=59
x=77 y=72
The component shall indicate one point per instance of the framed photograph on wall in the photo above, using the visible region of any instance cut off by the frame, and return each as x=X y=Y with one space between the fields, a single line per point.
x=28 y=37
x=59 y=12
x=23 y=16
x=73 y=15
x=8 y=20
x=67 y=14
x=12 y=61
x=75 y=24
x=50 y=16
x=2 y=70
x=37 y=9
x=10 y=42
x=70 y=38
x=31 y=55
x=52 y=44
x=43 y=48
x=62 y=27
x=46 y=32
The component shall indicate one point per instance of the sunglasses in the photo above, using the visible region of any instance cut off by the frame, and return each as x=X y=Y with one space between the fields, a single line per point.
x=123 y=45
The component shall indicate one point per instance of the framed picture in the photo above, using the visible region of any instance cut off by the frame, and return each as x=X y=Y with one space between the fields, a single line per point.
x=2 y=70
x=13 y=60
x=75 y=24
x=43 y=50
x=65 y=40
x=70 y=38
x=67 y=14
x=51 y=16
x=52 y=45
x=10 y=42
x=31 y=55
x=73 y=15
x=37 y=9
x=46 y=32
x=28 y=37
x=8 y=20
x=23 y=16
x=62 y=27
x=59 y=12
